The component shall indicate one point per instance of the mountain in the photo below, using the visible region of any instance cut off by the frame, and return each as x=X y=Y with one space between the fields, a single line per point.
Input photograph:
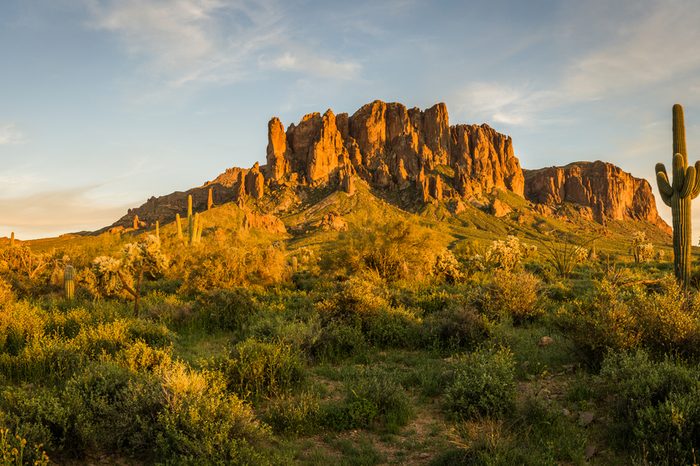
x=411 y=158
x=606 y=191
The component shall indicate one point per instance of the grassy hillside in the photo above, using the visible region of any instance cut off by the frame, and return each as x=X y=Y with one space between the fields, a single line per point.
x=365 y=334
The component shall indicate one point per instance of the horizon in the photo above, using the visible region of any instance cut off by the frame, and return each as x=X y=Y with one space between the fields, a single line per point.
x=109 y=103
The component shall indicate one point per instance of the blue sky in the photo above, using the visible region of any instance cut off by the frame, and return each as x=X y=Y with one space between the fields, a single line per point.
x=104 y=103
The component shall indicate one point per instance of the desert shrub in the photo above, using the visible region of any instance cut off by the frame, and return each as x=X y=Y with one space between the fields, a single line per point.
x=457 y=327
x=668 y=320
x=622 y=318
x=374 y=398
x=41 y=417
x=536 y=434
x=225 y=266
x=483 y=384
x=227 y=309
x=294 y=415
x=140 y=357
x=514 y=295
x=656 y=406
x=392 y=328
x=104 y=338
x=116 y=409
x=362 y=302
x=28 y=273
x=19 y=323
x=43 y=360
x=358 y=296
x=67 y=324
x=337 y=341
x=15 y=451
x=7 y=296
x=392 y=249
x=259 y=369
x=152 y=333
x=201 y=423
x=430 y=300
x=168 y=309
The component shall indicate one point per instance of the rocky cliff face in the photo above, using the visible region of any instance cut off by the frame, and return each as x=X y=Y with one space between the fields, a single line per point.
x=606 y=189
x=393 y=147
x=417 y=154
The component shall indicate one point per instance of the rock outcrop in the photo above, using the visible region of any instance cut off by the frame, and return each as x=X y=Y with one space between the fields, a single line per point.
x=418 y=157
x=393 y=147
x=610 y=192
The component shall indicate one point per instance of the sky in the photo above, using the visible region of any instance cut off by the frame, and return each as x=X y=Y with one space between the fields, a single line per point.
x=105 y=103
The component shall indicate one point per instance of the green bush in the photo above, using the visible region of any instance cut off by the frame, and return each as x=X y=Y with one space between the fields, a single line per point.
x=656 y=406
x=483 y=384
x=392 y=328
x=41 y=417
x=44 y=360
x=117 y=409
x=338 y=341
x=228 y=309
x=201 y=423
x=625 y=318
x=374 y=398
x=259 y=369
x=294 y=415
x=14 y=450
x=454 y=328
x=513 y=295
x=152 y=333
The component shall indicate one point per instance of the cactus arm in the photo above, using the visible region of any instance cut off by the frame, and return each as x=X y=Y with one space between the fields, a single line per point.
x=696 y=189
x=665 y=188
x=678 y=172
x=688 y=183
x=662 y=180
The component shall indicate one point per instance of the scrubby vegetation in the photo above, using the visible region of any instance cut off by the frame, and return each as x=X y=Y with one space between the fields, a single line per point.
x=396 y=341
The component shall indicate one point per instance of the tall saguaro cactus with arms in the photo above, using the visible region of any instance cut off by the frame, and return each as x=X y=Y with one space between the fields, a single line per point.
x=678 y=195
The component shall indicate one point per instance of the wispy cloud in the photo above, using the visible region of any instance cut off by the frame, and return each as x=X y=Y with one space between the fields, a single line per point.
x=645 y=49
x=10 y=134
x=650 y=44
x=181 y=42
x=508 y=105
x=311 y=64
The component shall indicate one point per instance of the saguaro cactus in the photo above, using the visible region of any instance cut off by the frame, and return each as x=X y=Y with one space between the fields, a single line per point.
x=136 y=222
x=210 y=199
x=179 y=226
x=190 y=218
x=69 y=282
x=678 y=195
x=12 y=239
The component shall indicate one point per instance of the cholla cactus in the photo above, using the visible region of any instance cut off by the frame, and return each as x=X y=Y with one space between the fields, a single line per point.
x=144 y=258
x=447 y=267
x=642 y=250
x=507 y=254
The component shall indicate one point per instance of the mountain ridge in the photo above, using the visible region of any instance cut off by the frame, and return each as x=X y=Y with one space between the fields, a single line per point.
x=415 y=157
